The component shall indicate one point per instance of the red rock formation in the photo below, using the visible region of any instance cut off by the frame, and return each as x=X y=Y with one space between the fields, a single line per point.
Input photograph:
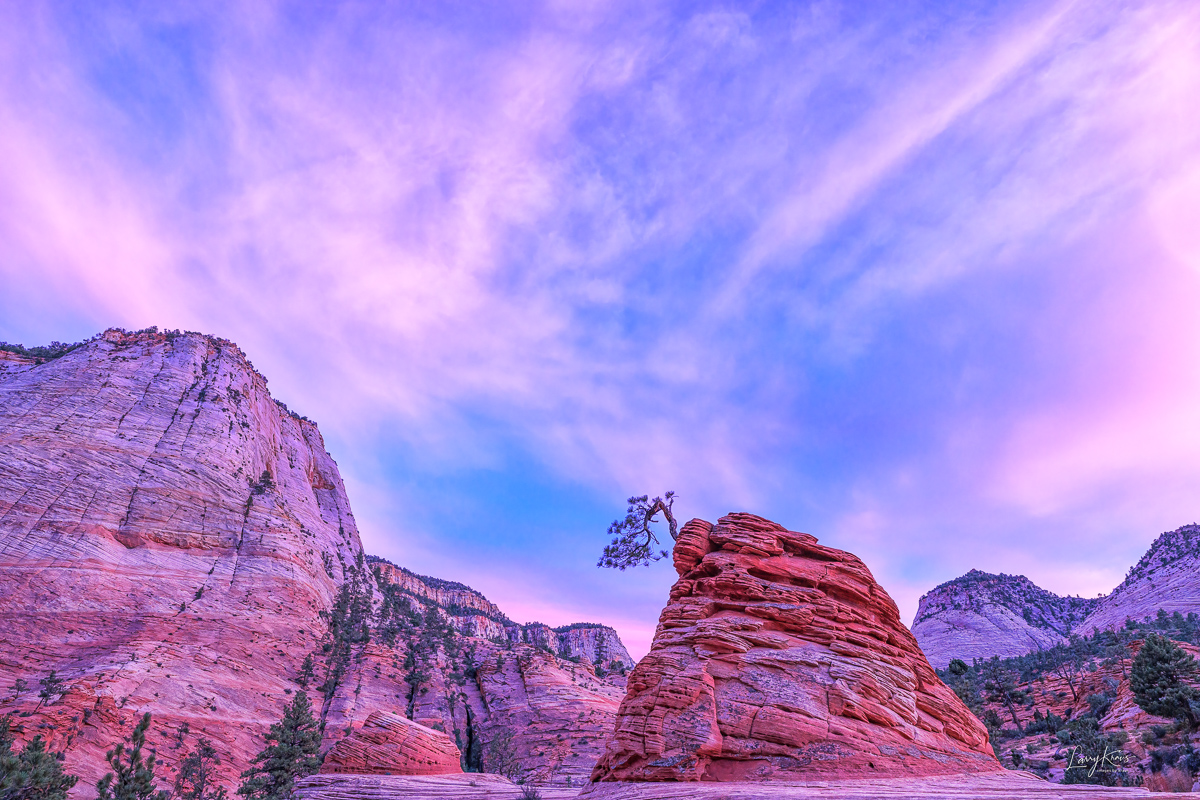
x=389 y=744
x=779 y=658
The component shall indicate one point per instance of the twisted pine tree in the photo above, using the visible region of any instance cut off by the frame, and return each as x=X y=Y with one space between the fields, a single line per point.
x=1157 y=679
x=633 y=539
x=131 y=778
x=292 y=754
x=33 y=773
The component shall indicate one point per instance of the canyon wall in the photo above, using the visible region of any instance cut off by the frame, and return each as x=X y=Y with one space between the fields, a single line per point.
x=174 y=541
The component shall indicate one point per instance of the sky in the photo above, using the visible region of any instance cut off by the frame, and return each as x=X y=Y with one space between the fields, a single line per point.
x=919 y=278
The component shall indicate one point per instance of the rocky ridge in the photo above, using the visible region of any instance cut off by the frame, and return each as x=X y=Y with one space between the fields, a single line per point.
x=472 y=614
x=175 y=541
x=979 y=615
x=1167 y=577
x=777 y=658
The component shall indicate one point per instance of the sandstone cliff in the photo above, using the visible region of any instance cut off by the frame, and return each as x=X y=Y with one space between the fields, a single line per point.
x=474 y=615
x=173 y=540
x=1167 y=577
x=778 y=658
x=980 y=615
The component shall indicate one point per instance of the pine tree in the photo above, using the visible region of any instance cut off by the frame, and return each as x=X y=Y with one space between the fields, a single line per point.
x=633 y=539
x=51 y=686
x=32 y=774
x=291 y=754
x=131 y=779
x=196 y=778
x=1157 y=679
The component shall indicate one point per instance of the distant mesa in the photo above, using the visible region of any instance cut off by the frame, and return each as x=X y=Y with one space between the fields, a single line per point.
x=980 y=615
x=777 y=658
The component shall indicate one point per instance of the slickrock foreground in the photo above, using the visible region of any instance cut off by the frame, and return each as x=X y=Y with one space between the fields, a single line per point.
x=990 y=786
x=777 y=658
x=389 y=744
x=471 y=786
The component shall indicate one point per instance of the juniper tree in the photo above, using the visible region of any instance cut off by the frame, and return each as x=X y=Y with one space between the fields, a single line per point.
x=1158 y=680
x=1070 y=669
x=19 y=686
x=290 y=754
x=33 y=773
x=197 y=774
x=634 y=541
x=131 y=778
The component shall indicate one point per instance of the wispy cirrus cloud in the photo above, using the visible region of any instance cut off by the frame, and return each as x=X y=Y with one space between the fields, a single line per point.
x=885 y=274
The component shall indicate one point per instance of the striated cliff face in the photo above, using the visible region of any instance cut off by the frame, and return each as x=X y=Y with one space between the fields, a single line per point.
x=474 y=615
x=172 y=540
x=980 y=615
x=778 y=658
x=143 y=555
x=1166 y=577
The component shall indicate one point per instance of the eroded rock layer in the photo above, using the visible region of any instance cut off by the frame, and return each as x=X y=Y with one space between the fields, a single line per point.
x=389 y=744
x=779 y=658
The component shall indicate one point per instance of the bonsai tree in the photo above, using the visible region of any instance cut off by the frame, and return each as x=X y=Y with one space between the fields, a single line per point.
x=33 y=773
x=131 y=778
x=290 y=754
x=634 y=541
x=1157 y=679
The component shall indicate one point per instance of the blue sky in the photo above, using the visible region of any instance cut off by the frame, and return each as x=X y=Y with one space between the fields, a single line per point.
x=917 y=278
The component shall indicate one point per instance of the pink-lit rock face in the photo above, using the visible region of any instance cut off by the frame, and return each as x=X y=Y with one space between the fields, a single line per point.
x=143 y=557
x=389 y=744
x=778 y=658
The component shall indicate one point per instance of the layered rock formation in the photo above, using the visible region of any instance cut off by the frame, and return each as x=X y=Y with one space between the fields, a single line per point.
x=779 y=658
x=389 y=744
x=168 y=539
x=472 y=614
x=980 y=615
x=173 y=540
